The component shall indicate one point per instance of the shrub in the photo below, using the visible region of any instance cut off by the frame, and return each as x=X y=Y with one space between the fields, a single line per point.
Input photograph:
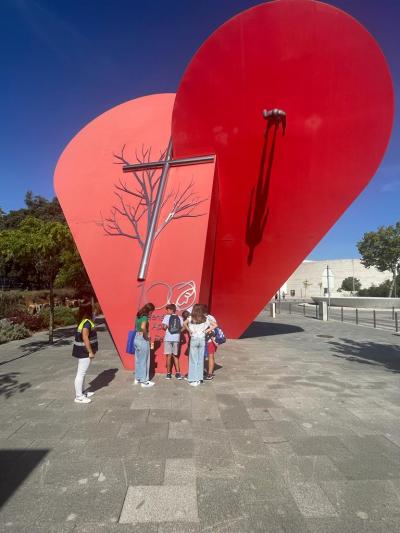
x=10 y=301
x=32 y=322
x=63 y=316
x=382 y=290
x=12 y=332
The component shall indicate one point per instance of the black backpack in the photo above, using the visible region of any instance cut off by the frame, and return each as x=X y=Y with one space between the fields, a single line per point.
x=174 y=324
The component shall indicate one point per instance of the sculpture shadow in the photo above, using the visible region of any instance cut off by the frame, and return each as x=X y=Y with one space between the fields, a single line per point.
x=257 y=213
x=367 y=353
x=265 y=329
x=9 y=384
x=102 y=380
x=16 y=466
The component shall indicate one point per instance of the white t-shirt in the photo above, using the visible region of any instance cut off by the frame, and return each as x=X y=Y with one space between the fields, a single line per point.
x=211 y=319
x=171 y=337
x=198 y=330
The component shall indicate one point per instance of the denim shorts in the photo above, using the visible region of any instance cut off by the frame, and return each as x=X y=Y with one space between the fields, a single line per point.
x=171 y=348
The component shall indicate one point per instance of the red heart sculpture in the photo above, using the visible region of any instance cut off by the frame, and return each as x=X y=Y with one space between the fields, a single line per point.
x=107 y=212
x=280 y=194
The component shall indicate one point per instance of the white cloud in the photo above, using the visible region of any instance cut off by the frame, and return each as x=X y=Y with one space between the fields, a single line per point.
x=391 y=186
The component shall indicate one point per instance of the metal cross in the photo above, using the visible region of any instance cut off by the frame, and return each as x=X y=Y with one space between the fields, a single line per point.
x=165 y=166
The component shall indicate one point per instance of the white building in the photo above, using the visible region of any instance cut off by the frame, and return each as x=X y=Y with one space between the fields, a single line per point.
x=311 y=278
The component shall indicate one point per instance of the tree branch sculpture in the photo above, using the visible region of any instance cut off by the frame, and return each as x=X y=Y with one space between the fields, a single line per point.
x=133 y=209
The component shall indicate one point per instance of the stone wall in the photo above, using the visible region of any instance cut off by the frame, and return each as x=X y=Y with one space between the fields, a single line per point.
x=315 y=274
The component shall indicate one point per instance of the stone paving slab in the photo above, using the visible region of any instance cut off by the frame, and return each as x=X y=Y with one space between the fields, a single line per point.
x=297 y=434
x=160 y=504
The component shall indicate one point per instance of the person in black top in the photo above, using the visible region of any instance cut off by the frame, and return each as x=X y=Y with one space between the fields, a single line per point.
x=84 y=349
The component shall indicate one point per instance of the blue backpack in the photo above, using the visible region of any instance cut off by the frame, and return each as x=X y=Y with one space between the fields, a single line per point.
x=219 y=336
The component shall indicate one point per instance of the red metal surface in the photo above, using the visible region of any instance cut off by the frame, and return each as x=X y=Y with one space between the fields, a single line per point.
x=85 y=181
x=328 y=74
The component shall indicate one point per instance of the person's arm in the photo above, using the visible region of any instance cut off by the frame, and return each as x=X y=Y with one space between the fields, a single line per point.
x=210 y=327
x=85 y=337
x=185 y=326
x=164 y=324
x=212 y=321
x=143 y=327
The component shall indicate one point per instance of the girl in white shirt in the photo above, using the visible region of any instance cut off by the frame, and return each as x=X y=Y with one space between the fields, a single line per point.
x=197 y=325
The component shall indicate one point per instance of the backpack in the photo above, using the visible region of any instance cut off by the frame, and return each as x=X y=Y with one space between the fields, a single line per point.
x=174 y=324
x=219 y=336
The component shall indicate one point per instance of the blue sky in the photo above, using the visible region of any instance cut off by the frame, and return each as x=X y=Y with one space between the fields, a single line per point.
x=63 y=62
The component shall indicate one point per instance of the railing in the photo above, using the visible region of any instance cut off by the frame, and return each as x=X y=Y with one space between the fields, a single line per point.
x=387 y=319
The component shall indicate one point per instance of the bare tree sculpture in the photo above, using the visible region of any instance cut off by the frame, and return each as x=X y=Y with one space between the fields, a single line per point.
x=133 y=209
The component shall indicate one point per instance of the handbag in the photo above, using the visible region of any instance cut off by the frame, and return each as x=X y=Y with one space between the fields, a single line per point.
x=219 y=336
x=130 y=343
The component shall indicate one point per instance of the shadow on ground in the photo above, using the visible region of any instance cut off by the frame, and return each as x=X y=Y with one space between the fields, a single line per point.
x=16 y=465
x=368 y=353
x=102 y=380
x=9 y=384
x=264 y=329
x=61 y=338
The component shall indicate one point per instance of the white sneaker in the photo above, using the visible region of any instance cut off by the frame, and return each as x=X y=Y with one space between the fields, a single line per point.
x=82 y=399
x=194 y=383
x=136 y=382
x=147 y=384
x=89 y=394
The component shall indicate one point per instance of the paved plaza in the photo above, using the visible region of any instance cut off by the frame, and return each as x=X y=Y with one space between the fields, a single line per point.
x=298 y=433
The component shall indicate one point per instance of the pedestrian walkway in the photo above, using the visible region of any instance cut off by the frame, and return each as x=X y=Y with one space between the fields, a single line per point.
x=298 y=433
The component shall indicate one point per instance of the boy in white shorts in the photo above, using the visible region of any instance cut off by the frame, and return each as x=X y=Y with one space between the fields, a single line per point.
x=172 y=324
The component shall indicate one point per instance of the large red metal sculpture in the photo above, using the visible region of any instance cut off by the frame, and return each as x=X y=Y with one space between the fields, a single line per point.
x=292 y=103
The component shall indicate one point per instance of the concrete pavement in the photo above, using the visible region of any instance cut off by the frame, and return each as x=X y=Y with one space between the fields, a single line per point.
x=299 y=432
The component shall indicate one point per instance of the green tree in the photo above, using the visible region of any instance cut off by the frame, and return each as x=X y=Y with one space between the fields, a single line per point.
x=2 y=215
x=35 y=206
x=351 y=284
x=380 y=290
x=381 y=249
x=73 y=274
x=38 y=245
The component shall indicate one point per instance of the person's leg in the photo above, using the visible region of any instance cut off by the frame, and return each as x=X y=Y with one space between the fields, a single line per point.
x=168 y=354
x=169 y=364
x=147 y=348
x=175 y=354
x=176 y=365
x=197 y=359
x=211 y=363
x=200 y=359
x=192 y=360
x=83 y=365
x=140 y=359
x=205 y=356
x=211 y=357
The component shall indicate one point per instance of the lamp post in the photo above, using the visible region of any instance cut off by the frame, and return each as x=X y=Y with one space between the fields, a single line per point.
x=329 y=287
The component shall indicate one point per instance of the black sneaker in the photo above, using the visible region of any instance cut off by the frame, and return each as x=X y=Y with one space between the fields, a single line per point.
x=168 y=376
x=209 y=377
x=178 y=376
